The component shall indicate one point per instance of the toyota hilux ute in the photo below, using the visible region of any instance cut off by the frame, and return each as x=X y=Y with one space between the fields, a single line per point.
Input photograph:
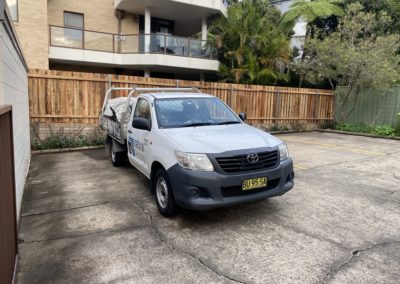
x=197 y=153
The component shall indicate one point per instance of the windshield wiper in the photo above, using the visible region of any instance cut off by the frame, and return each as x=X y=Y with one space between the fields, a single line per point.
x=197 y=124
x=227 y=122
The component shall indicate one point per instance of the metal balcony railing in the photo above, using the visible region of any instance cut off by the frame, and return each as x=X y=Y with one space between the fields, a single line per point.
x=130 y=43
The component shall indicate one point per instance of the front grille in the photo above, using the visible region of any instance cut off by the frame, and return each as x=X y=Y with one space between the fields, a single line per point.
x=237 y=190
x=239 y=163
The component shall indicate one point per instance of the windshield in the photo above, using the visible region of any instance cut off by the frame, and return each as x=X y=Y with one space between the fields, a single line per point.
x=188 y=112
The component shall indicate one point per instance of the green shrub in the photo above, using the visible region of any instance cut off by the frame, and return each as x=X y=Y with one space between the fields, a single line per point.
x=380 y=130
x=348 y=127
x=298 y=126
x=276 y=128
x=384 y=130
x=60 y=139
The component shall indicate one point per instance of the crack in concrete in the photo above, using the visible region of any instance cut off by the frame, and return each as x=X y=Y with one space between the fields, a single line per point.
x=354 y=253
x=201 y=262
x=75 y=208
x=150 y=226
x=395 y=176
x=136 y=227
x=310 y=234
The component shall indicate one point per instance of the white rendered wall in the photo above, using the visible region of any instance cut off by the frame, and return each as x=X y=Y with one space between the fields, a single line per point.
x=14 y=91
x=139 y=60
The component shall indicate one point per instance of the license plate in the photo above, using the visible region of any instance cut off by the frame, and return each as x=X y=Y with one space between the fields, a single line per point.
x=254 y=183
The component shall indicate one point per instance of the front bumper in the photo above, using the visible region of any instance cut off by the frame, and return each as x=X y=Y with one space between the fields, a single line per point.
x=207 y=190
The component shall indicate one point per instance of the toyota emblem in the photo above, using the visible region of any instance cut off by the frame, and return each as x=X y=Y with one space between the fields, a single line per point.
x=252 y=158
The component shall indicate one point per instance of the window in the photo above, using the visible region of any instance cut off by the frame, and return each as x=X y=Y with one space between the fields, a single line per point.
x=74 y=24
x=184 y=112
x=157 y=25
x=13 y=8
x=73 y=20
x=142 y=109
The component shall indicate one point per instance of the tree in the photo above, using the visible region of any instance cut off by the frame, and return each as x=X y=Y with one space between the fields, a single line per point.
x=309 y=11
x=390 y=7
x=251 y=46
x=358 y=56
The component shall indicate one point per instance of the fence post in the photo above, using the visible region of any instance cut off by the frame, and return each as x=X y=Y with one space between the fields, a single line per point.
x=177 y=83
x=109 y=81
x=316 y=104
x=277 y=105
x=231 y=98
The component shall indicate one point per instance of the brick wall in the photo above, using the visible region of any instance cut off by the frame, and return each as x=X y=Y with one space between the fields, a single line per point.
x=34 y=18
x=98 y=15
x=32 y=31
x=130 y=24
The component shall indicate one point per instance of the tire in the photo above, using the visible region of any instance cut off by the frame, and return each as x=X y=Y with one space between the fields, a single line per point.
x=164 y=195
x=117 y=158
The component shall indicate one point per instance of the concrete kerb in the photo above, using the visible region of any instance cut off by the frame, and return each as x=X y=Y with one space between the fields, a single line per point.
x=63 y=150
x=335 y=132
x=289 y=132
x=357 y=134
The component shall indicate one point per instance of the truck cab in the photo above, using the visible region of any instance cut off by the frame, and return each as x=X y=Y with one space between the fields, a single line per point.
x=197 y=152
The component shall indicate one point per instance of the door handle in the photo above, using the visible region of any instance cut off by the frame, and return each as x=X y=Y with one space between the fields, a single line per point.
x=130 y=131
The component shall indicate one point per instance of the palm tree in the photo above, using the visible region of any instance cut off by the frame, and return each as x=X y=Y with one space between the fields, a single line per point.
x=250 y=44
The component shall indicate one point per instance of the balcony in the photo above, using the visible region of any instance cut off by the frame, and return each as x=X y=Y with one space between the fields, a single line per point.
x=70 y=44
x=217 y=5
x=186 y=14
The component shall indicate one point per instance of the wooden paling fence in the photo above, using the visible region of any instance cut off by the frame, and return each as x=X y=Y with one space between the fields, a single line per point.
x=76 y=98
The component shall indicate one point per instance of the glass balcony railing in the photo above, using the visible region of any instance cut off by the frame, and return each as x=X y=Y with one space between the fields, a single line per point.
x=130 y=44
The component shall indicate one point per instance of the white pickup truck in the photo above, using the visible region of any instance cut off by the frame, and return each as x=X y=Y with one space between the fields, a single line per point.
x=197 y=153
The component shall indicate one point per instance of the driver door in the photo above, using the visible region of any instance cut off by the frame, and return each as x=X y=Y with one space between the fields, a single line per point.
x=138 y=139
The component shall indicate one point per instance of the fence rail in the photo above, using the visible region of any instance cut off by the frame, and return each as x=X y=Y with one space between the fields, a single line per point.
x=76 y=98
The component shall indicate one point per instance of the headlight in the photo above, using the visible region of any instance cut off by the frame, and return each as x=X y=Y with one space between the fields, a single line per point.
x=284 y=152
x=194 y=162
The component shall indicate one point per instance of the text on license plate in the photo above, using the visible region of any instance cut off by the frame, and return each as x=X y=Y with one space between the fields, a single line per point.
x=254 y=183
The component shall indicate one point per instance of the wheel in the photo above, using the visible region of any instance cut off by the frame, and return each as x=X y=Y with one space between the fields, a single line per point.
x=164 y=195
x=117 y=158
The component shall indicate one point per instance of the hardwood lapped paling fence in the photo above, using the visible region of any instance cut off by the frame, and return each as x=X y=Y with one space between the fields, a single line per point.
x=76 y=98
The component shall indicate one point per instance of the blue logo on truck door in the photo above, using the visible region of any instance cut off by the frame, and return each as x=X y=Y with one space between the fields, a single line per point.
x=134 y=145
x=131 y=146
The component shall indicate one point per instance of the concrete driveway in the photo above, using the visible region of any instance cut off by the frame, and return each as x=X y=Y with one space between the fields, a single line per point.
x=85 y=221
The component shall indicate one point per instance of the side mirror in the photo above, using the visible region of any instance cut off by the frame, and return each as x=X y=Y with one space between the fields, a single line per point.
x=243 y=116
x=141 y=123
